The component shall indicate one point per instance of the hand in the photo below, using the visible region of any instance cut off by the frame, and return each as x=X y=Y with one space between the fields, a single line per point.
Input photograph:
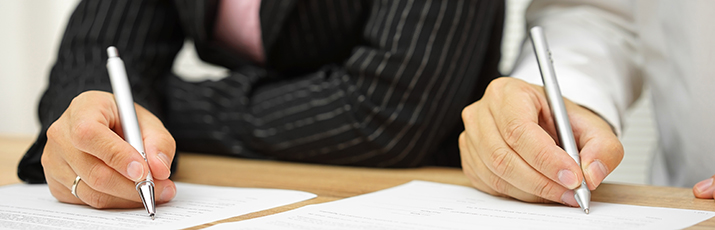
x=86 y=141
x=704 y=189
x=508 y=147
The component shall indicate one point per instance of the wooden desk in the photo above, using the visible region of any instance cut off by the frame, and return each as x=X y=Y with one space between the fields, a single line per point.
x=11 y=151
x=333 y=183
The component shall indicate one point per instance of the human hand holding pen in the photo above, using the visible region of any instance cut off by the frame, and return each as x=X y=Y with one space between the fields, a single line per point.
x=86 y=141
x=508 y=147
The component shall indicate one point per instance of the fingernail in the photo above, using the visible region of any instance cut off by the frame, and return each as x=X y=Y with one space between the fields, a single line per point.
x=167 y=194
x=704 y=186
x=569 y=199
x=135 y=170
x=164 y=160
x=597 y=172
x=568 y=178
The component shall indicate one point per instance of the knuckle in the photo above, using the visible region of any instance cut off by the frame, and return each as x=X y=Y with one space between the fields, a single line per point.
x=98 y=177
x=54 y=131
x=501 y=161
x=543 y=188
x=617 y=150
x=542 y=158
x=462 y=140
x=172 y=142
x=499 y=185
x=98 y=200
x=169 y=142
x=497 y=84
x=80 y=132
x=115 y=158
x=44 y=159
x=469 y=112
x=514 y=131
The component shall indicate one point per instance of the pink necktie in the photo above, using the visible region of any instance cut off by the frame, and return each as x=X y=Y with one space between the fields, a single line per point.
x=238 y=26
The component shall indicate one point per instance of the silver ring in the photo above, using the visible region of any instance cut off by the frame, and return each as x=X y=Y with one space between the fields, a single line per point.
x=74 y=186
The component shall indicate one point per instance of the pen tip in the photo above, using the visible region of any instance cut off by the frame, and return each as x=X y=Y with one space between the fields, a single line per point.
x=152 y=216
x=585 y=210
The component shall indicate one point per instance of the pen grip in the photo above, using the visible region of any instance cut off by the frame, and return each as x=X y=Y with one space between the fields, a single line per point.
x=553 y=94
x=125 y=104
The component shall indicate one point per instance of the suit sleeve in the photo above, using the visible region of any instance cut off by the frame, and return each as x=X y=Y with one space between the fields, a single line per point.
x=397 y=96
x=148 y=37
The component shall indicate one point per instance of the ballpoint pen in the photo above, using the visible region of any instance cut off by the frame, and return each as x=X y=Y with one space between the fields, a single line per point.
x=558 y=110
x=130 y=124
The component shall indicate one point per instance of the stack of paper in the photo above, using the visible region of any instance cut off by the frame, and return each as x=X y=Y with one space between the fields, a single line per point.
x=25 y=206
x=427 y=205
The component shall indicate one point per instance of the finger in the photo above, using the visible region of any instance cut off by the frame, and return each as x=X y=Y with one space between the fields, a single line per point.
x=91 y=132
x=469 y=169
x=54 y=166
x=56 y=171
x=159 y=145
x=466 y=156
x=165 y=189
x=704 y=189
x=601 y=151
x=103 y=179
x=504 y=188
x=91 y=197
x=62 y=193
x=504 y=171
x=97 y=199
x=517 y=119
x=60 y=179
x=96 y=139
x=481 y=175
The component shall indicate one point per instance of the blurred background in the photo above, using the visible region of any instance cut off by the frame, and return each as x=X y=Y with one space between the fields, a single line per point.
x=32 y=30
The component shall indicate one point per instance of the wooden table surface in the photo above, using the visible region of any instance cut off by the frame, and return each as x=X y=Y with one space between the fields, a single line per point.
x=334 y=182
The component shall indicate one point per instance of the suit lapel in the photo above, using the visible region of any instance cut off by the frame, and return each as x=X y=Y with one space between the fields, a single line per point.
x=273 y=14
x=197 y=18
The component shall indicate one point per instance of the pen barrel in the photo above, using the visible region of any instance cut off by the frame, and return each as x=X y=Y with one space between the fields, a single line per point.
x=553 y=94
x=125 y=104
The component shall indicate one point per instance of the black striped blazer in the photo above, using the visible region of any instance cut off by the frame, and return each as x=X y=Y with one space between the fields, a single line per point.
x=366 y=82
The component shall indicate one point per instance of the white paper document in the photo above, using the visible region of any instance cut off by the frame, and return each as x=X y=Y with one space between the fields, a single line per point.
x=24 y=206
x=428 y=205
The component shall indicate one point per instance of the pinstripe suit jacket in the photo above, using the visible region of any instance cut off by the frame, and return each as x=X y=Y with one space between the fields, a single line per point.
x=367 y=83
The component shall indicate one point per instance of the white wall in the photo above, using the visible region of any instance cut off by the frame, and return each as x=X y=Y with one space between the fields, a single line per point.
x=31 y=31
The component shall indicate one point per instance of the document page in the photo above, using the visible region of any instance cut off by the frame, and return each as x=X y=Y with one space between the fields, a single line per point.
x=24 y=206
x=428 y=205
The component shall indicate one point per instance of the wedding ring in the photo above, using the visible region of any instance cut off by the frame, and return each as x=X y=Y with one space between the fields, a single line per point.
x=74 y=186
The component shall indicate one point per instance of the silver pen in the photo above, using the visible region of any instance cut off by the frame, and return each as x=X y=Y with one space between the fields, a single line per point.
x=558 y=110
x=130 y=124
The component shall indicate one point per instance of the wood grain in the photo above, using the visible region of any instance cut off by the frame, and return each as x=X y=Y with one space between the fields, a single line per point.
x=334 y=182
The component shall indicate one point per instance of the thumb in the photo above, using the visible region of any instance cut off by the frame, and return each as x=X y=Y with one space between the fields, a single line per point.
x=159 y=145
x=704 y=189
x=600 y=149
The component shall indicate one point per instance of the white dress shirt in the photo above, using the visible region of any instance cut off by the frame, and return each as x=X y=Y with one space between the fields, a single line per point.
x=605 y=51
